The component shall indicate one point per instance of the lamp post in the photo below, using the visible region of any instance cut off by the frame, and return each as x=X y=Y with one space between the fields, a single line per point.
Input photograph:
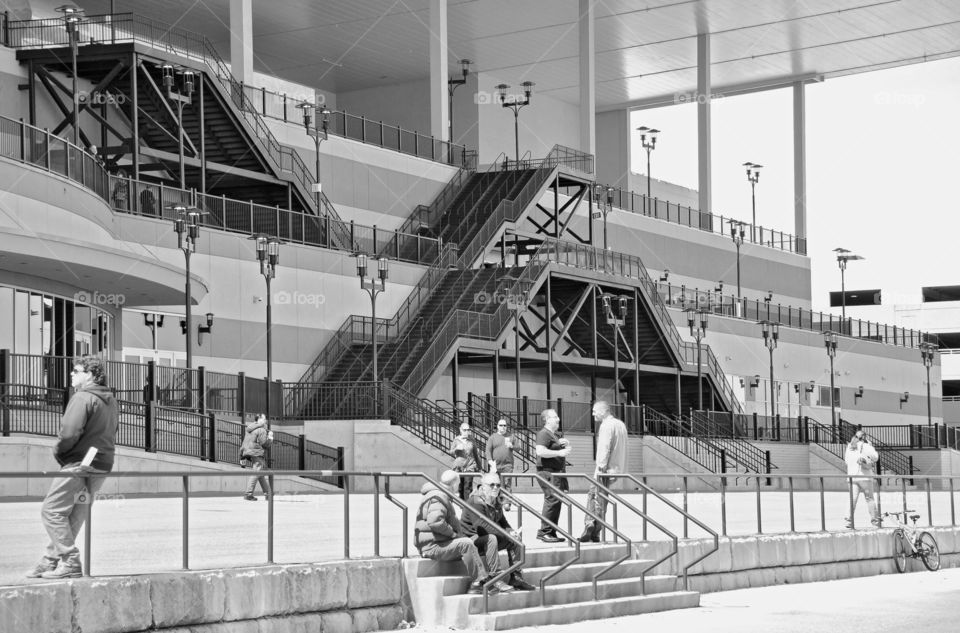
x=648 y=145
x=373 y=286
x=844 y=256
x=753 y=176
x=771 y=334
x=697 y=320
x=617 y=321
x=736 y=234
x=319 y=115
x=72 y=17
x=268 y=254
x=603 y=208
x=516 y=105
x=830 y=341
x=928 y=352
x=452 y=85
x=180 y=96
x=187 y=226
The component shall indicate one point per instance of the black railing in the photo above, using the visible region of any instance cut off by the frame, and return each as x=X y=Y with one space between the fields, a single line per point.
x=333 y=401
x=683 y=297
x=283 y=107
x=484 y=414
x=891 y=460
x=748 y=456
x=672 y=433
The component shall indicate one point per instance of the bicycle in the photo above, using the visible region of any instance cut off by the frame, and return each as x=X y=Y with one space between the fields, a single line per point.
x=909 y=541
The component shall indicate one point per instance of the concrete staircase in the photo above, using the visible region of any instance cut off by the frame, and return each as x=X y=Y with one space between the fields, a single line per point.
x=438 y=591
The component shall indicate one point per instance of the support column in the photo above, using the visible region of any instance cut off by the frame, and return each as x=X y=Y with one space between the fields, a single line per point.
x=588 y=93
x=548 y=317
x=496 y=373
x=455 y=371
x=704 y=160
x=241 y=40
x=800 y=163
x=439 y=99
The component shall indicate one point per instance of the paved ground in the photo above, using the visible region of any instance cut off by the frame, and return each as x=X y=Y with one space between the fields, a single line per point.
x=920 y=601
x=144 y=535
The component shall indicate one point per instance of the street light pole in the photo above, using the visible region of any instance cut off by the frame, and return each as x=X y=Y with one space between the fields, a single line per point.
x=187 y=227
x=617 y=321
x=753 y=176
x=268 y=254
x=649 y=146
x=830 y=341
x=181 y=97
x=321 y=116
x=452 y=85
x=737 y=236
x=373 y=286
x=516 y=105
x=928 y=352
x=697 y=320
x=72 y=17
x=603 y=209
x=771 y=334
x=844 y=256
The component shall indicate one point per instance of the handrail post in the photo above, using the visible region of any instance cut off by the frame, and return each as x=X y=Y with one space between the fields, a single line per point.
x=212 y=437
x=5 y=380
x=242 y=396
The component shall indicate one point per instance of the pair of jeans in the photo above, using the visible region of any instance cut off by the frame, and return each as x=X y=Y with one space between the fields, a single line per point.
x=66 y=508
x=597 y=504
x=551 y=503
x=462 y=549
x=493 y=543
x=259 y=463
x=866 y=486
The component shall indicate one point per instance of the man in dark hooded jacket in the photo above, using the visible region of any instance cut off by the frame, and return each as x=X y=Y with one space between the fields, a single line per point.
x=85 y=444
x=437 y=534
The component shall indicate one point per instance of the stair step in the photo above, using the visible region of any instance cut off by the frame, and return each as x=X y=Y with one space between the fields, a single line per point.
x=579 y=611
x=535 y=557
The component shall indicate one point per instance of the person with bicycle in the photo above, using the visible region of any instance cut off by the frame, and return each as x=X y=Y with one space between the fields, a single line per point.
x=860 y=458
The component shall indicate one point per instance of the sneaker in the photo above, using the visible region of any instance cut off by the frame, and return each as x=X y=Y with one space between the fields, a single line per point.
x=588 y=538
x=877 y=522
x=45 y=565
x=501 y=587
x=848 y=523
x=249 y=497
x=549 y=538
x=475 y=587
x=64 y=570
x=517 y=582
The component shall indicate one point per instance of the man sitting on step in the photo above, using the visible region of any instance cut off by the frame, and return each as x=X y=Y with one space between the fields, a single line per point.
x=437 y=535
x=486 y=501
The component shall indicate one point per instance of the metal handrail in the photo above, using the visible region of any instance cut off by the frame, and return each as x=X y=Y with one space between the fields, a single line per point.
x=683 y=297
x=739 y=450
x=901 y=464
x=527 y=441
x=716 y=538
x=717 y=454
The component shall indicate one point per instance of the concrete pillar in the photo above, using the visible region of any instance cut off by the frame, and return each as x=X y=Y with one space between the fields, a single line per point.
x=704 y=161
x=439 y=100
x=241 y=40
x=799 y=160
x=613 y=148
x=588 y=92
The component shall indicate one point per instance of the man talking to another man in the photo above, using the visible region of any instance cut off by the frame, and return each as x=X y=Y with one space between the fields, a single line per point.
x=611 y=460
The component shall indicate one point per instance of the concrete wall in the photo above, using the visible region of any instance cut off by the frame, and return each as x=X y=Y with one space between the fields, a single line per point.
x=348 y=596
x=35 y=455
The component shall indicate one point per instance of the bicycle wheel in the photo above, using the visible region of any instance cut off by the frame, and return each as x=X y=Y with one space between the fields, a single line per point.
x=899 y=551
x=929 y=551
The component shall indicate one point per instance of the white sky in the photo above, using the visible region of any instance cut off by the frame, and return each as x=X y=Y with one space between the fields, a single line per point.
x=883 y=163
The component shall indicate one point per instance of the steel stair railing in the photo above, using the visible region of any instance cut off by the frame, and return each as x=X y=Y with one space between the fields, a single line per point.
x=751 y=458
x=479 y=408
x=673 y=434
x=890 y=458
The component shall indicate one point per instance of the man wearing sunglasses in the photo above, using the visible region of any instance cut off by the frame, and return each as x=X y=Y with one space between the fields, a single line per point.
x=85 y=445
x=486 y=501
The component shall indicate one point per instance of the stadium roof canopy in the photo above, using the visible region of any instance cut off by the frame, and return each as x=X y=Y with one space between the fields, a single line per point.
x=646 y=50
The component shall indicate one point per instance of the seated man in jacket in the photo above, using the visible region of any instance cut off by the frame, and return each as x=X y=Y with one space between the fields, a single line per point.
x=437 y=534
x=486 y=501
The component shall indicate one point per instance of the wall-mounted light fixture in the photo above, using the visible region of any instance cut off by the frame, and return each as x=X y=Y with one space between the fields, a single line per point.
x=719 y=287
x=904 y=398
x=858 y=393
x=665 y=276
x=201 y=328
x=755 y=381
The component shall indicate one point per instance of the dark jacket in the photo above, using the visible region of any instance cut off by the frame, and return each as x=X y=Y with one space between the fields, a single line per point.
x=255 y=440
x=91 y=420
x=437 y=520
x=472 y=525
x=466 y=455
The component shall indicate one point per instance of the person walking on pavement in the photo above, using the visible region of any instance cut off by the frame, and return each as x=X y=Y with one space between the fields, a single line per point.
x=611 y=460
x=466 y=458
x=860 y=458
x=257 y=439
x=552 y=450
x=85 y=444
x=487 y=502
x=438 y=535
x=499 y=451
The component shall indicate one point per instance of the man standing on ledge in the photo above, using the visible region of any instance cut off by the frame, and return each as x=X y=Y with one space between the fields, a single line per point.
x=551 y=453
x=611 y=460
x=85 y=445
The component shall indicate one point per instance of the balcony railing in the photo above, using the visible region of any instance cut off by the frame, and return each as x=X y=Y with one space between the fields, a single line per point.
x=683 y=297
x=282 y=107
